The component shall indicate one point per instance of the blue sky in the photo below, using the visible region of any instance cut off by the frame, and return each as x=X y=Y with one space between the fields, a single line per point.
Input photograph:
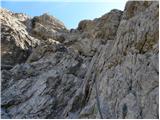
x=70 y=13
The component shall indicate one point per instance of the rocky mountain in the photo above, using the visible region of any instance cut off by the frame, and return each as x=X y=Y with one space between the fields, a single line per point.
x=106 y=68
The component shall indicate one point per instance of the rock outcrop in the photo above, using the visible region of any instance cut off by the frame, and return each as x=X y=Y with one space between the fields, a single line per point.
x=15 y=40
x=46 y=26
x=106 y=68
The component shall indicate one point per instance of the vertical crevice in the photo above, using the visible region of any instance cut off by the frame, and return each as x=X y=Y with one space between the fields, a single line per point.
x=124 y=111
x=97 y=97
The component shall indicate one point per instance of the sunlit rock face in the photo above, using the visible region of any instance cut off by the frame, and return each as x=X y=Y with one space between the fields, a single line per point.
x=106 y=68
x=15 y=40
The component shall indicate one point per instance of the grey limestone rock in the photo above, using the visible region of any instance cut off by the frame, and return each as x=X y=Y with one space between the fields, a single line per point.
x=106 y=68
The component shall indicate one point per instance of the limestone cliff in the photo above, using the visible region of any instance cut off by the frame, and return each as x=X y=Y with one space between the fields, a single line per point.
x=106 y=68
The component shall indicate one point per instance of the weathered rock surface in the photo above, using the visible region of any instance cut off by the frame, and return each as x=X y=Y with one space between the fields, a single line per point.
x=16 y=43
x=106 y=68
x=45 y=27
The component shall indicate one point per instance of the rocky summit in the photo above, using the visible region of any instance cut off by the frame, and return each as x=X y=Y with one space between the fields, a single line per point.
x=106 y=68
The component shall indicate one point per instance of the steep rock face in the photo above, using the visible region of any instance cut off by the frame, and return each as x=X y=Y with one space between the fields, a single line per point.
x=15 y=40
x=17 y=43
x=43 y=88
x=127 y=73
x=106 y=68
x=91 y=34
x=104 y=27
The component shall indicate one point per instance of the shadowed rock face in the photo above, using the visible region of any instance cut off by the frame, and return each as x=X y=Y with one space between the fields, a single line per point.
x=106 y=68
x=15 y=41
